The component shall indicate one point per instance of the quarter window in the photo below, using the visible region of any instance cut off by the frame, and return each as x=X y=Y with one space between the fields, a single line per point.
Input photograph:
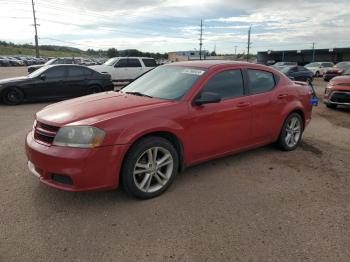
x=260 y=81
x=227 y=84
x=149 y=62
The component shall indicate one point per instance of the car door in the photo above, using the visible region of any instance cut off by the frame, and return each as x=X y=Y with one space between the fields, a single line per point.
x=266 y=104
x=76 y=81
x=50 y=83
x=135 y=68
x=121 y=70
x=222 y=127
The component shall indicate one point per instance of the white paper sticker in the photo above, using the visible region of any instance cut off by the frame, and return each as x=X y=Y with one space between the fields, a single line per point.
x=193 y=72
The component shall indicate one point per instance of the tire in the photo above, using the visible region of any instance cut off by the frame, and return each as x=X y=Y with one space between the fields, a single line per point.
x=332 y=106
x=317 y=74
x=291 y=134
x=136 y=180
x=12 y=96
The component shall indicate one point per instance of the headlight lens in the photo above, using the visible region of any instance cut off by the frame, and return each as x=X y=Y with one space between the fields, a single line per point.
x=79 y=136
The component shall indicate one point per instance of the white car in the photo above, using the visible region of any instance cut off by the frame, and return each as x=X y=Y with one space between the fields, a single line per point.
x=319 y=68
x=126 y=68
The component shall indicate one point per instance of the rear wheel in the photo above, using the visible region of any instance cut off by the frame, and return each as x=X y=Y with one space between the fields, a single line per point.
x=317 y=74
x=291 y=133
x=13 y=96
x=149 y=167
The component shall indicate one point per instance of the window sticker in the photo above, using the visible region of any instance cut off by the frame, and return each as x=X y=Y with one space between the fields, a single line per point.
x=193 y=72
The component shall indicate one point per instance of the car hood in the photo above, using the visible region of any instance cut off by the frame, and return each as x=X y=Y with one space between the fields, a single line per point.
x=91 y=109
x=101 y=68
x=343 y=81
x=12 y=80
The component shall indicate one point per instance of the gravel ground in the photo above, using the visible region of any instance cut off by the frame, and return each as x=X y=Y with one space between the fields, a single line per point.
x=262 y=205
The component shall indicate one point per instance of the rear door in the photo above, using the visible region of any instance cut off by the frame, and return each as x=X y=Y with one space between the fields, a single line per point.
x=135 y=68
x=266 y=104
x=76 y=81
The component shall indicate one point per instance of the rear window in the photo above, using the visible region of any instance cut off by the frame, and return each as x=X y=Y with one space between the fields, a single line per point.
x=260 y=81
x=149 y=62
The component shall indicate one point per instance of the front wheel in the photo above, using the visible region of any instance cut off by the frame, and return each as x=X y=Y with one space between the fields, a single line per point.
x=291 y=133
x=149 y=167
x=13 y=96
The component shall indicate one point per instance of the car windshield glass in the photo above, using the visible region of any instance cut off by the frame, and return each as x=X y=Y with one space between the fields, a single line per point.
x=37 y=72
x=286 y=69
x=111 y=61
x=279 y=64
x=50 y=61
x=165 y=82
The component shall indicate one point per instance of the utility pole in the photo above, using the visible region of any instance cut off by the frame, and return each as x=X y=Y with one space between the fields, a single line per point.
x=313 y=52
x=235 y=50
x=36 y=32
x=201 y=41
x=250 y=29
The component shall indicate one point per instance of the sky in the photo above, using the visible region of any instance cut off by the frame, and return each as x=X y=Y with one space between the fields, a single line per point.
x=164 y=26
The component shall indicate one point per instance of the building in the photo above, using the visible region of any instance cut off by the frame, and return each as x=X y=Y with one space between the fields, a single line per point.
x=186 y=55
x=305 y=56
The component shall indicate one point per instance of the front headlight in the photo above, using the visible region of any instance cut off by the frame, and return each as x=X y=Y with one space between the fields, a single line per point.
x=79 y=136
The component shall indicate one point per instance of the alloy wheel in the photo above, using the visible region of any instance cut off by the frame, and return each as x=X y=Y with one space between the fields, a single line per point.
x=153 y=169
x=293 y=131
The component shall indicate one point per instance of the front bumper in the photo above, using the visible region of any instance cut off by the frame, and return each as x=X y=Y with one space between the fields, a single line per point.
x=338 y=98
x=87 y=169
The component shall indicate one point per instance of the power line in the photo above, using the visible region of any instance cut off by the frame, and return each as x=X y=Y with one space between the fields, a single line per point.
x=201 y=41
x=36 y=32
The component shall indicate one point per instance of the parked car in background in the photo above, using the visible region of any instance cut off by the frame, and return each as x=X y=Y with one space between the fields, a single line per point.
x=172 y=117
x=54 y=82
x=126 y=68
x=54 y=61
x=338 y=91
x=4 y=61
x=338 y=70
x=15 y=62
x=298 y=73
x=319 y=68
x=281 y=65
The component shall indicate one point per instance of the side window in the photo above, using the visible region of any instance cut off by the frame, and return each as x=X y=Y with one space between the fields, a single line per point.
x=149 y=62
x=75 y=72
x=122 y=63
x=53 y=73
x=227 y=84
x=301 y=68
x=133 y=62
x=260 y=81
x=87 y=72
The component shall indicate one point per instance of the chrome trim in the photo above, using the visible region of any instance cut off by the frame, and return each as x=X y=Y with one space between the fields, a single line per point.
x=32 y=169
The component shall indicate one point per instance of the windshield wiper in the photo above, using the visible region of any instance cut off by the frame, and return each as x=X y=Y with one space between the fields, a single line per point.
x=138 y=94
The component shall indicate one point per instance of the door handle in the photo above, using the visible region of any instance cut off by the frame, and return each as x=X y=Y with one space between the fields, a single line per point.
x=281 y=96
x=243 y=104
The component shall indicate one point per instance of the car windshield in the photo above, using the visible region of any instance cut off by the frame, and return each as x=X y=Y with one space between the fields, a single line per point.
x=111 y=61
x=313 y=65
x=343 y=65
x=38 y=72
x=286 y=69
x=50 y=61
x=279 y=64
x=165 y=82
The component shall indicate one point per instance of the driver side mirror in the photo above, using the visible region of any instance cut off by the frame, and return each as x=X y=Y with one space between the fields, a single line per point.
x=207 y=98
x=43 y=77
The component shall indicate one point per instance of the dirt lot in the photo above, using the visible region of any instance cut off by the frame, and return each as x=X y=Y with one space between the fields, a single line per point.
x=262 y=205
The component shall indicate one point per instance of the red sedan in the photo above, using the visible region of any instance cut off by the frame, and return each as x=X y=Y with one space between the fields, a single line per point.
x=173 y=117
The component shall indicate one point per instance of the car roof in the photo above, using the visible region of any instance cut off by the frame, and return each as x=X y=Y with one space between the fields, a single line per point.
x=211 y=63
x=66 y=65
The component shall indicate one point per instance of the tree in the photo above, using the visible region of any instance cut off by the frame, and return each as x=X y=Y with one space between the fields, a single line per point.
x=112 y=52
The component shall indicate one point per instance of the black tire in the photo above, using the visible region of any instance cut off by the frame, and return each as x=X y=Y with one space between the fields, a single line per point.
x=282 y=143
x=12 y=96
x=332 y=106
x=135 y=154
x=317 y=74
x=94 y=89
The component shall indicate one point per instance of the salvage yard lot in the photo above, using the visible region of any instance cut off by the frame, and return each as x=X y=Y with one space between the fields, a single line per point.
x=262 y=205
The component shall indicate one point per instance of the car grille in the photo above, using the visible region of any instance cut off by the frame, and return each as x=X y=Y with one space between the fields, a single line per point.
x=340 y=97
x=45 y=133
